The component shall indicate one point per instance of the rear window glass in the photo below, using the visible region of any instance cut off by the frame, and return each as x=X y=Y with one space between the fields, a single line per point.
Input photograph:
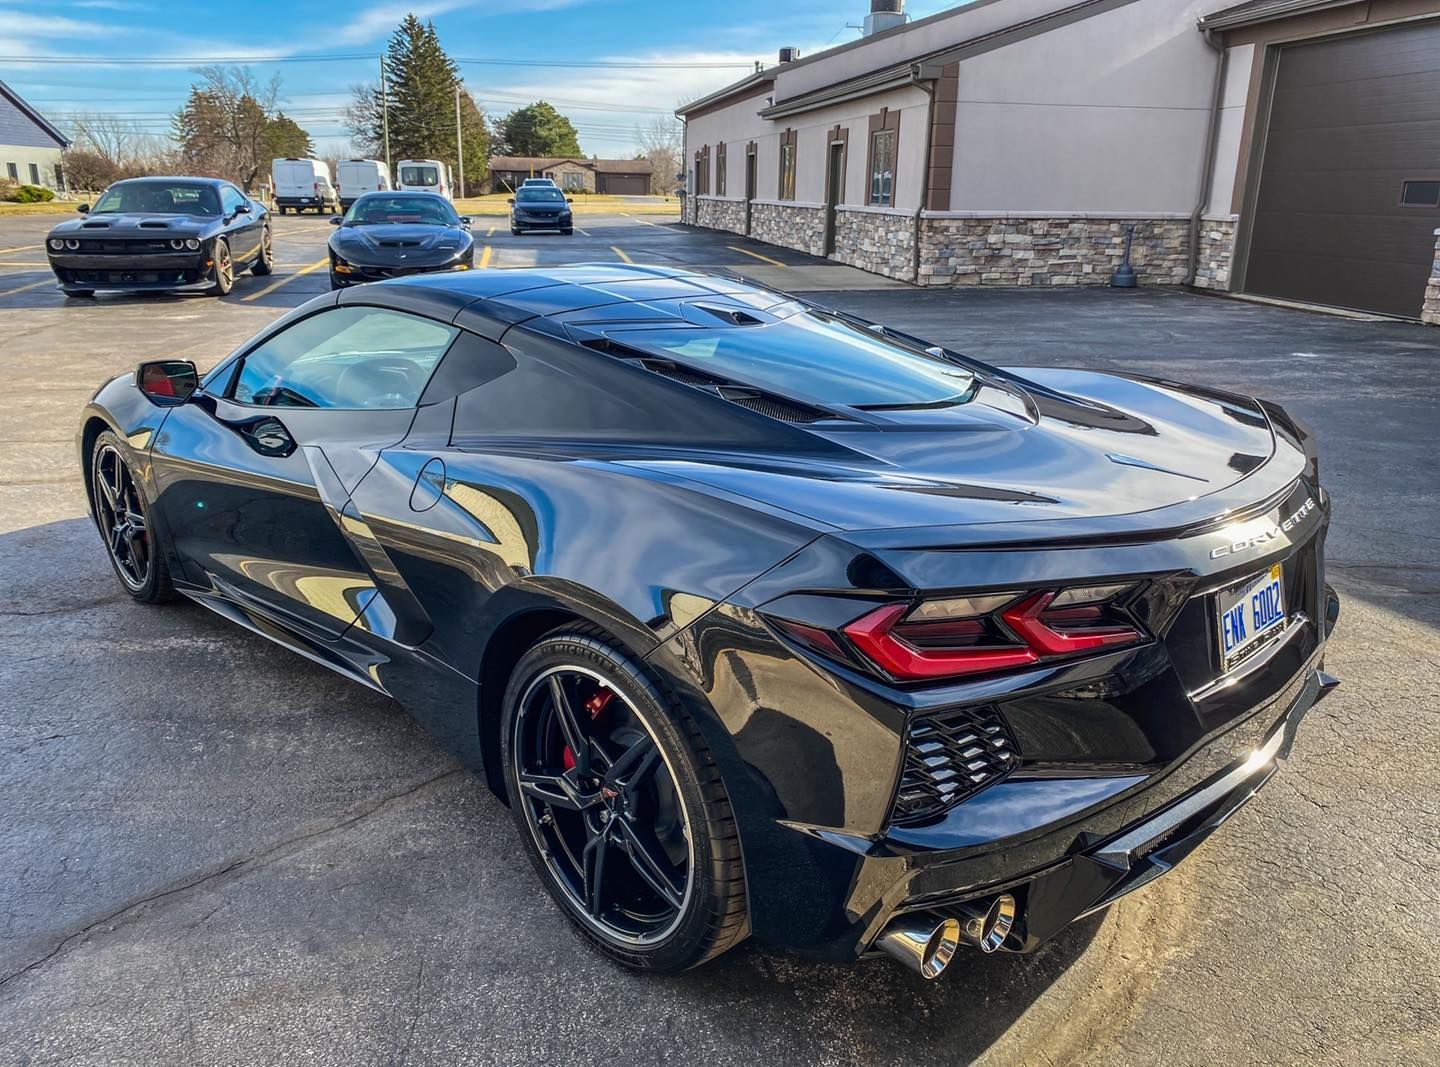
x=419 y=176
x=539 y=192
x=811 y=357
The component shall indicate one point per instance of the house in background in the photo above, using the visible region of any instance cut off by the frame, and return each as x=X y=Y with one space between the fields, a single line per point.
x=618 y=177
x=1284 y=148
x=29 y=146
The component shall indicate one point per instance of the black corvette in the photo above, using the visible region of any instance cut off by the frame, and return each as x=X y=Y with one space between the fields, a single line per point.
x=170 y=234
x=765 y=619
x=391 y=235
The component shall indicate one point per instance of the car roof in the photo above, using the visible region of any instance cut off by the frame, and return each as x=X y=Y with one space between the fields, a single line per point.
x=173 y=178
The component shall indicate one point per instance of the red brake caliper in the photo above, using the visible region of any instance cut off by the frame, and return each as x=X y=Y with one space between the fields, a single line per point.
x=595 y=706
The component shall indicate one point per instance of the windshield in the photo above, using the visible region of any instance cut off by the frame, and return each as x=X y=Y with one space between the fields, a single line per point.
x=160 y=198
x=812 y=357
x=376 y=210
x=419 y=176
x=539 y=192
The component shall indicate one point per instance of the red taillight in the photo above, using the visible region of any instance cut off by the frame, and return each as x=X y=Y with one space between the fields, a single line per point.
x=920 y=643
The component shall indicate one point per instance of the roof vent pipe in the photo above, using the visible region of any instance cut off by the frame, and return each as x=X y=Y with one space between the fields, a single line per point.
x=884 y=15
x=789 y=54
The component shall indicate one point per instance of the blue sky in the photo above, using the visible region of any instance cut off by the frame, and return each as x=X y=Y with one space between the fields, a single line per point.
x=605 y=103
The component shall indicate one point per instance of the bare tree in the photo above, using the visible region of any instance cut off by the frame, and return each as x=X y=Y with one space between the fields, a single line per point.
x=661 y=142
x=225 y=127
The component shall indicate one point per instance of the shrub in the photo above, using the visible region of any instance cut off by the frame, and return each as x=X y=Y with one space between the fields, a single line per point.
x=9 y=187
x=34 y=194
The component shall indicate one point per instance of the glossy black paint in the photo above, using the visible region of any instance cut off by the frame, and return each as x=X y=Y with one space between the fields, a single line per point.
x=131 y=250
x=549 y=474
x=364 y=251
x=540 y=207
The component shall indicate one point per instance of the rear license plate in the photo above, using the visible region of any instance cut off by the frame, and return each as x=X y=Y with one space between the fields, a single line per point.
x=1249 y=613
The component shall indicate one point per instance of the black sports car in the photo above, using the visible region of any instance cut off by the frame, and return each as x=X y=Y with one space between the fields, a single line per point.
x=540 y=207
x=765 y=619
x=391 y=235
x=172 y=234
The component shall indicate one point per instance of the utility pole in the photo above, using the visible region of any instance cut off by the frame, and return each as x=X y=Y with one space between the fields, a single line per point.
x=459 y=146
x=385 y=118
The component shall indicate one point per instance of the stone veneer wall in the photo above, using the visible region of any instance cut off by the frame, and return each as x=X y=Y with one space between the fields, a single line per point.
x=1217 y=251
x=966 y=249
x=879 y=240
x=720 y=213
x=1430 y=311
x=798 y=226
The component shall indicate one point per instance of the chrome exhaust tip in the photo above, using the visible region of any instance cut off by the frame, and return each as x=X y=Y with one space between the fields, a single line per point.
x=986 y=924
x=924 y=943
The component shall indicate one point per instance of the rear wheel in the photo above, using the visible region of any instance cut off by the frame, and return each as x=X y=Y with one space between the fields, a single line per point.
x=123 y=516
x=265 y=262
x=620 y=806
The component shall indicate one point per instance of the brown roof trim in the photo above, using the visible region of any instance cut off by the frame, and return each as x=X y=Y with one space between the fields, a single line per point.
x=1254 y=12
x=759 y=84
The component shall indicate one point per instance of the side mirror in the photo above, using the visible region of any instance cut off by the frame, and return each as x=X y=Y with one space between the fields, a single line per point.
x=84 y=209
x=337 y=220
x=242 y=209
x=167 y=382
x=466 y=220
x=569 y=201
x=510 y=201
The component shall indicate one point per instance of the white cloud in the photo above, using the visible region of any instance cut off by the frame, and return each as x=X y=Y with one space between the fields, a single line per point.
x=20 y=25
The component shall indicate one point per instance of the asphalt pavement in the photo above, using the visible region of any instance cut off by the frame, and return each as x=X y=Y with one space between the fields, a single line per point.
x=214 y=852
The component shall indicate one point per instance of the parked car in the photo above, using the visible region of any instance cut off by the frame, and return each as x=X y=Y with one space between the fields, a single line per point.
x=301 y=184
x=764 y=618
x=356 y=177
x=175 y=234
x=424 y=176
x=540 y=207
x=389 y=235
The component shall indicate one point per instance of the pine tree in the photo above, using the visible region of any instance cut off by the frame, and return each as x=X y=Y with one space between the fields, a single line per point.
x=422 y=81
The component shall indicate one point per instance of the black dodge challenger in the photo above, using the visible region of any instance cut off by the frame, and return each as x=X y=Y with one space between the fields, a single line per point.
x=170 y=234
x=763 y=618
x=391 y=235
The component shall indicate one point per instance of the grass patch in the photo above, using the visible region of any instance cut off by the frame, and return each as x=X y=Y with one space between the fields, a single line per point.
x=54 y=207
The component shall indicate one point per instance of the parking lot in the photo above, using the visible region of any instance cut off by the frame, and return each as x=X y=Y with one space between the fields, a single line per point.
x=215 y=852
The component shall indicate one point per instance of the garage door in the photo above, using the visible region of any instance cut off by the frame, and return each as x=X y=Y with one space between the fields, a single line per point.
x=1349 y=196
x=624 y=184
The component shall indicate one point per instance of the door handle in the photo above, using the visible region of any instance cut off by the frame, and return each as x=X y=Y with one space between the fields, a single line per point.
x=265 y=434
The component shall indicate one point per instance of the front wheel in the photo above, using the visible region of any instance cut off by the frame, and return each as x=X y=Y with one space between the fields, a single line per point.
x=224 y=276
x=123 y=516
x=620 y=805
x=264 y=263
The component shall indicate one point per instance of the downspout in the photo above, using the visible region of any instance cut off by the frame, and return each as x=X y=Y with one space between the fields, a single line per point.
x=1207 y=164
x=927 y=86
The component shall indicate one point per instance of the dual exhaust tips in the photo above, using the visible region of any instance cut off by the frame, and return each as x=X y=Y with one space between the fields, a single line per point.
x=926 y=943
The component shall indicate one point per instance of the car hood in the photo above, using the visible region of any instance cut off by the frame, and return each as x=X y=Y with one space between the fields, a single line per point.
x=1053 y=444
x=396 y=238
x=135 y=224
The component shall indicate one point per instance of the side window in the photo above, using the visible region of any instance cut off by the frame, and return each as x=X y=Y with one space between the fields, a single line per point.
x=230 y=198
x=349 y=357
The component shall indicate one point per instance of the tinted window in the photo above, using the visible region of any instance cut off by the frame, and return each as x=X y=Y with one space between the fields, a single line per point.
x=161 y=198
x=372 y=210
x=419 y=176
x=547 y=193
x=231 y=198
x=811 y=357
x=354 y=357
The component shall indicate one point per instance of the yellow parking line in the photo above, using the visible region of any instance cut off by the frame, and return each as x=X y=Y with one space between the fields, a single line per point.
x=623 y=257
x=755 y=255
x=490 y=232
x=37 y=266
x=485 y=256
x=287 y=279
x=25 y=288
x=22 y=248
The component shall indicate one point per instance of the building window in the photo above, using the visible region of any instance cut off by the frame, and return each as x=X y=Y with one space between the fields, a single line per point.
x=720 y=169
x=34 y=174
x=572 y=181
x=882 y=167
x=787 y=165
x=13 y=170
x=1420 y=194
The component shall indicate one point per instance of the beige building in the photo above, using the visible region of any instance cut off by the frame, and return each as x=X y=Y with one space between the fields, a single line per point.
x=622 y=177
x=29 y=146
x=1288 y=148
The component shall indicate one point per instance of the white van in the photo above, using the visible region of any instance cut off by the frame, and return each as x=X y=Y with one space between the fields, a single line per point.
x=358 y=176
x=424 y=176
x=303 y=183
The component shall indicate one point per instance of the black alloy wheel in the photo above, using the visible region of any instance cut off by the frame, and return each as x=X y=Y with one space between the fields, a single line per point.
x=265 y=261
x=623 y=814
x=124 y=521
x=224 y=268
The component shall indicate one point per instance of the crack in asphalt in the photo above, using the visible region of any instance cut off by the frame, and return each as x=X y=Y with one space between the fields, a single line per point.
x=221 y=875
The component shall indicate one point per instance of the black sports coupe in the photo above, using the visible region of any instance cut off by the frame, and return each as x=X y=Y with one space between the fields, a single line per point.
x=540 y=207
x=171 y=234
x=391 y=235
x=763 y=618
